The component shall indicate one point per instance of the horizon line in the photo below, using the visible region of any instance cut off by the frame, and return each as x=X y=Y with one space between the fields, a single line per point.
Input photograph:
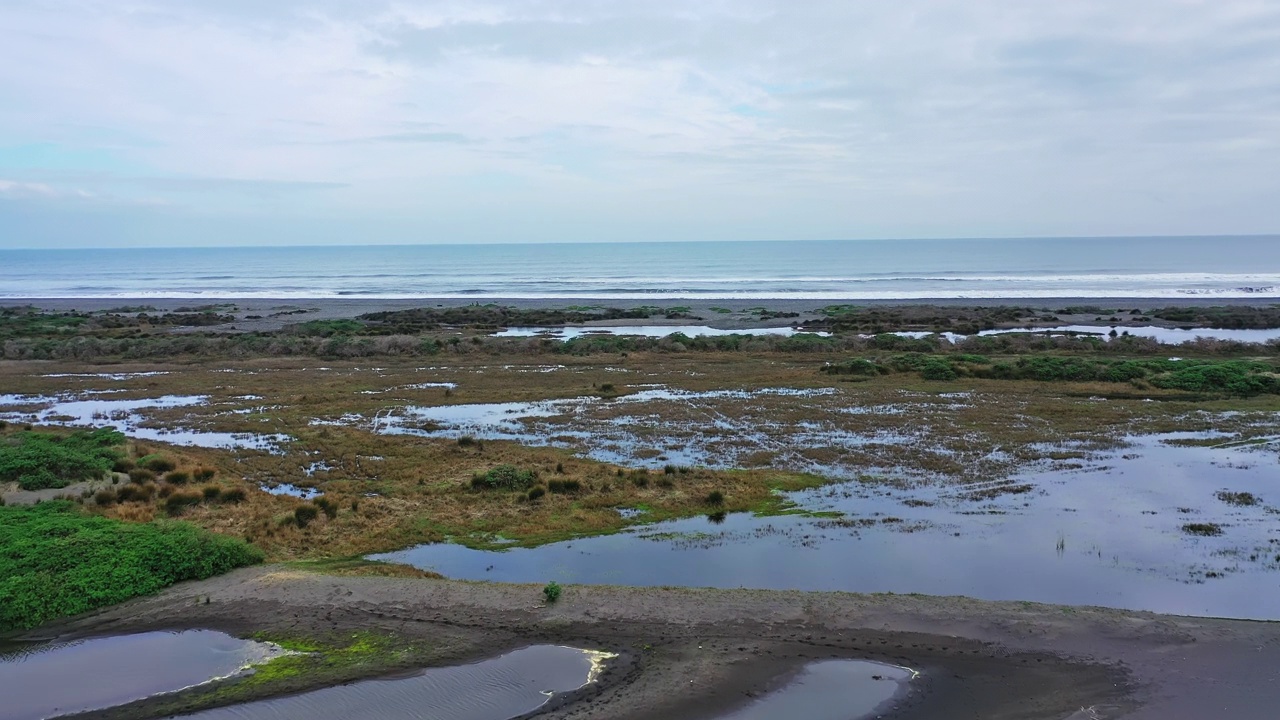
x=652 y=242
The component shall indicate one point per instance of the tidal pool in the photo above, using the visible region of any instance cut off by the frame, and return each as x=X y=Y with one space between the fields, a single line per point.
x=126 y=416
x=50 y=679
x=829 y=690
x=508 y=686
x=659 y=331
x=1109 y=533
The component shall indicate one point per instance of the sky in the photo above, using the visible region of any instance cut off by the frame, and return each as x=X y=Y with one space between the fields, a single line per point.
x=246 y=122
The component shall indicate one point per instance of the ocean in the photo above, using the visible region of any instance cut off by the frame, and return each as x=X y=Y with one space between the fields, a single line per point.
x=1149 y=267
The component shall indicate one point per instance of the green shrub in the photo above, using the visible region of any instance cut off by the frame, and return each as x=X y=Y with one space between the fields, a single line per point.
x=938 y=369
x=58 y=561
x=39 y=460
x=715 y=497
x=304 y=514
x=504 y=477
x=552 y=591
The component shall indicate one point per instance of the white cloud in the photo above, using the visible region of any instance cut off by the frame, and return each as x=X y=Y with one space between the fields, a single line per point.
x=720 y=119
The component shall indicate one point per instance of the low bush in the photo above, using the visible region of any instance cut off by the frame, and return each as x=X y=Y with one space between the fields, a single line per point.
x=552 y=591
x=41 y=460
x=715 y=497
x=58 y=561
x=536 y=492
x=204 y=474
x=178 y=477
x=211 y=493
x=105 y=497
x=141 y=475
x=564 y=486
x=504 y=477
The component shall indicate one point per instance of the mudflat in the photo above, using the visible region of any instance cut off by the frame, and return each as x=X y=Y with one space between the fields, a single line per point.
x=697 y=653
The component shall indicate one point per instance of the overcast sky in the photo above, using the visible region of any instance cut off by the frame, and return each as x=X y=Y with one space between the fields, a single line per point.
x=174 y=122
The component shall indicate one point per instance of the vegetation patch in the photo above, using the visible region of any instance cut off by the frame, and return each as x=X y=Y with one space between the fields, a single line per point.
x=1239 y=499
x=504 y=477
x=58 y=561
x=1202 y=529
x=40 y=460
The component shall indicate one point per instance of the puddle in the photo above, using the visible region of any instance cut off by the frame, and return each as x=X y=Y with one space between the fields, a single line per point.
x=51 y=679
x=1107 y=534
x=829 y=690
x=292 y=490
x=125 y=416
x=653 y=331
x=509 y=686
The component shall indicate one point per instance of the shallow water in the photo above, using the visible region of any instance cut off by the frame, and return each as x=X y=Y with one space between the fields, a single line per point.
x=659 y=425
x=305 y=493
x=503 y=687
x=126 y=416
x=829 y=690
x=49 y=679
x=1171 y=336
x=1109 y=534
x=658 y=331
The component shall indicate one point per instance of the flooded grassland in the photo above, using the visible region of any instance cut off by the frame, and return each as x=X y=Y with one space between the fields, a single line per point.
x=1091 y=492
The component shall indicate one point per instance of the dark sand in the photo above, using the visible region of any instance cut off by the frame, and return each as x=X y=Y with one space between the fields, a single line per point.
x=689 y=653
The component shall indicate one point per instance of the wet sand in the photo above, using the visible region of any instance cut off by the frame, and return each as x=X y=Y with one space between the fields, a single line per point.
x=688 y=654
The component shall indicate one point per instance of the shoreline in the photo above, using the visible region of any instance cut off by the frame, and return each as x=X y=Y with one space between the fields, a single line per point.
x=694 y=653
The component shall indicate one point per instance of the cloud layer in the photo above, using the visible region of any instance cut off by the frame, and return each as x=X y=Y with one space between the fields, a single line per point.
x=209 y=121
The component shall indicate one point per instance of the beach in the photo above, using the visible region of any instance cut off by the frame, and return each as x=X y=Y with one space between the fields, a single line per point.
x=689 y=653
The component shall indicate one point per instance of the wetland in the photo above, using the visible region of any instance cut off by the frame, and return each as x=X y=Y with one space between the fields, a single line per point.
x=1018 y=470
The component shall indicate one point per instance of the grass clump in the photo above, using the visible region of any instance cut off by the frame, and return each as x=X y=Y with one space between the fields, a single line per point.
x=304 y=514
x=504 y=477
x=58 y=561
x=715 y=497
x=157 y=463
x=40 y=460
